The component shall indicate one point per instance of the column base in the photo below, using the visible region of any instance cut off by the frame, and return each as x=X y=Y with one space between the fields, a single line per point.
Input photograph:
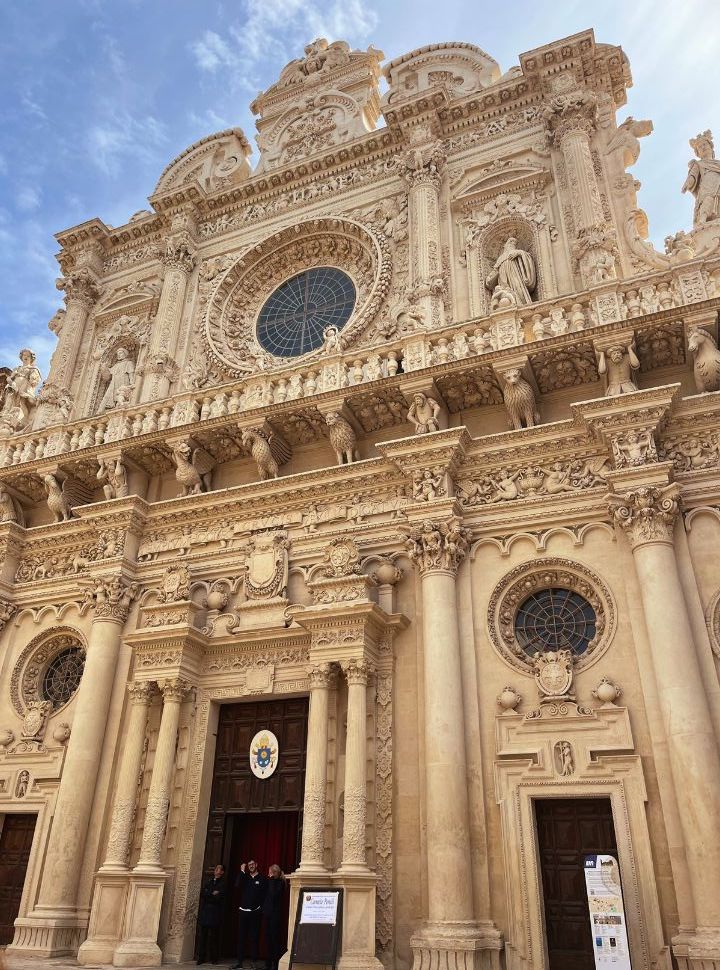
x=106 y=917
x=457 y=946
x=698 y=950
x=141 y=922
x=48 y=936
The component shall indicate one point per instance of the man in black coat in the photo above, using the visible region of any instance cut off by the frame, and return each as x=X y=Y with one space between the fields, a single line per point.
x=273 y=910
x=252 y=885
x=212 y=897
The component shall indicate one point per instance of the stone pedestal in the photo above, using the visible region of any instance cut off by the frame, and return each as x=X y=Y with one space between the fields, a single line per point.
x=143 y=906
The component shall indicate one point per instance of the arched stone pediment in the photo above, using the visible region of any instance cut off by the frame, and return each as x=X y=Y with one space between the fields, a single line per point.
x=215 y=162
x=460 y=68
x=239 y=295
x=129 y=299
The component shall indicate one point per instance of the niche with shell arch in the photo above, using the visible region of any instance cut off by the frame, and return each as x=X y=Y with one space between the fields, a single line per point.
x=490 y=243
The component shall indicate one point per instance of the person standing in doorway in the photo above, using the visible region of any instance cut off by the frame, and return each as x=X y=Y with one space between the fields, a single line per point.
x=252 y=885
x=273 y=911
x=212 y=897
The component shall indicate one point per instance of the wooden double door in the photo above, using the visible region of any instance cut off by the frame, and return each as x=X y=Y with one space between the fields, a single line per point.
x=250 y=817
x=15 y=844
x=569 y=829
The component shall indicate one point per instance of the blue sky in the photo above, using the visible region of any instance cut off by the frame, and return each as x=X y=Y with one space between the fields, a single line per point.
x=99 y=95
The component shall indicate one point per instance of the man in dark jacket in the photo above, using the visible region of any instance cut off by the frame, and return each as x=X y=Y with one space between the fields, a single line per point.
x=252 y=885
x=212 y=897
x=273 y=910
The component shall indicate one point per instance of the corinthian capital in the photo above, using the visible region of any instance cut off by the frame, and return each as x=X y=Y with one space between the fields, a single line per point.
x=437 y=546
x=7 y=611
x=647 y=514
x=179 y=253
x=572 y=111
x=422 y=165
x=175 y=689
x=79 y=287
x=320 y=676
x=356 y=671
x=111 y=597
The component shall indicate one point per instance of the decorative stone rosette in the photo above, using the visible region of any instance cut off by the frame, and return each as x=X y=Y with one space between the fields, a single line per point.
x=238 y=296
x=530 y=577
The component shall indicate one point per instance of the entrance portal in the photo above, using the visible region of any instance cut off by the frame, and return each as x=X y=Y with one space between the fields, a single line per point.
x=251 y=817
x=568 y=830
x=15 y=844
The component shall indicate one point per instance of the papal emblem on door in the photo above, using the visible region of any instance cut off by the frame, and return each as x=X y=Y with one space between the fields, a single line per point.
x=263 y=754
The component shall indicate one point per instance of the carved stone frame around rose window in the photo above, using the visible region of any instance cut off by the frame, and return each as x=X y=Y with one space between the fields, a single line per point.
x=29 y=670
x=530 y=577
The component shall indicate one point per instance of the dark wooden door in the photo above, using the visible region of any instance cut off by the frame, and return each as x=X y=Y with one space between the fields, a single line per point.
x=15 y=844
x=568 y=830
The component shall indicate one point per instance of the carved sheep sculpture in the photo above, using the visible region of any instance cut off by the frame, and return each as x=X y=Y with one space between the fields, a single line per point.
x=519 y=398
x=706 y=360
x=342 y=438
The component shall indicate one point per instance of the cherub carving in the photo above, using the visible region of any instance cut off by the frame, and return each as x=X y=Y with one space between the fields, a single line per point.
x=331 y=341
x=505 y=488
x=269 y=450
x=706 y=360
x=427 y=486
x=634 y=448
x=342 y=438
x=619 y=362
x=423 y=413
x=193 y=468
x=519 y=398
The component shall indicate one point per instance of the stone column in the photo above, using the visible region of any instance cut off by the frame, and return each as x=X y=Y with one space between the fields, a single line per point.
x=111 y=884
x=58 y=891
x=450 y=935
x=143 y=906
x=179 y=261
x=312 y=856
x=354 y=858
x=81 y=292
x=158 y=802
x=647 y=514
x=571 y=119
x=421 y=167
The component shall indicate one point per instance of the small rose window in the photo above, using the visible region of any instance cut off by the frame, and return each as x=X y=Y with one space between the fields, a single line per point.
x=62 y=677
x=555 y=619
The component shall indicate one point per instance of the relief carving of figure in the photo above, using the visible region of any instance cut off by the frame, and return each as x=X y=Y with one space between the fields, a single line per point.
x=193 y=468
x=513 y=272
x=423 y=414
x=19 y=399
x=427 y=486
x=618 y=363
x=121 y=380
x=10 y=509
x=706 y=360
x=21 y=787
x=114 y=478
x=703 y=179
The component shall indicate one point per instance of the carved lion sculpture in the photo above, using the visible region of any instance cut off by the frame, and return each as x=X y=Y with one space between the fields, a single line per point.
x=706 y=356
x=342 y=438
x=519 y=398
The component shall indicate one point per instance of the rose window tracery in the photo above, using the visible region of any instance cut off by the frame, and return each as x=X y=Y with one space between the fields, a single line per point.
x=554 y=604
x=555 y=619
x=293 y=319
x=62 y=677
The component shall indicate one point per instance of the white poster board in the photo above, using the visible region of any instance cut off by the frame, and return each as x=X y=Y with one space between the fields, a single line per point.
x=607 y=913
x=319 y=907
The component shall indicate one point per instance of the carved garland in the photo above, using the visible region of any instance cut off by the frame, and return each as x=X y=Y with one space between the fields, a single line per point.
x=529 y=577
x=28 y=673
x=229 y=327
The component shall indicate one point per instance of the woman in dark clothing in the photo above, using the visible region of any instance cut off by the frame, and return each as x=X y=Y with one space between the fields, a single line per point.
x=212 y=898
x=273 y=911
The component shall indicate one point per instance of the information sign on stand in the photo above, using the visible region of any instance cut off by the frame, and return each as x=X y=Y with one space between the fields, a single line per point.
x=607 y=913
x=318 y=926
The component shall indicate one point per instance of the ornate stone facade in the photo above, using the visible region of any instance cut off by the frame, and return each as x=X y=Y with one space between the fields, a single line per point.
x=410 y=420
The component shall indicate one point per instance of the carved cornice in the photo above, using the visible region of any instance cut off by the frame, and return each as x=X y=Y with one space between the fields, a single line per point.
x=437 y=546
x=647 y=513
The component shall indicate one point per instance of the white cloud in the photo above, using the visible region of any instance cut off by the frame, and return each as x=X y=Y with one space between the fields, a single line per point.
x=212 y=52
x=28 y=199
x=123 y=136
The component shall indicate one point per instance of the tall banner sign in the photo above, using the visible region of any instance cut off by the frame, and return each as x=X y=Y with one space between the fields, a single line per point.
x=607 y=913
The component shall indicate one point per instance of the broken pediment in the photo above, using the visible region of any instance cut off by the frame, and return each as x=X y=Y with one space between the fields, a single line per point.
x=460 y=68
x=511 y=176
x=328 y=97
x=215 y=162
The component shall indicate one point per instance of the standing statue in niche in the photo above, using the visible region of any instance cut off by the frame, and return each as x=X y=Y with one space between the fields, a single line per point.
x=423 y=414
x=121 y=380
x=19 y=399
x=703 y=179
x=618 y=363
x=513 y=274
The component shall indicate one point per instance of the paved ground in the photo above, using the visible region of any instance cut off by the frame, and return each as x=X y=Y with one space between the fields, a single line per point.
x=12 y=962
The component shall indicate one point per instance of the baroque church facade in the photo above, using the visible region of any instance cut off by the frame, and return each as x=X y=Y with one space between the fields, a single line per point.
x=399 y=453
